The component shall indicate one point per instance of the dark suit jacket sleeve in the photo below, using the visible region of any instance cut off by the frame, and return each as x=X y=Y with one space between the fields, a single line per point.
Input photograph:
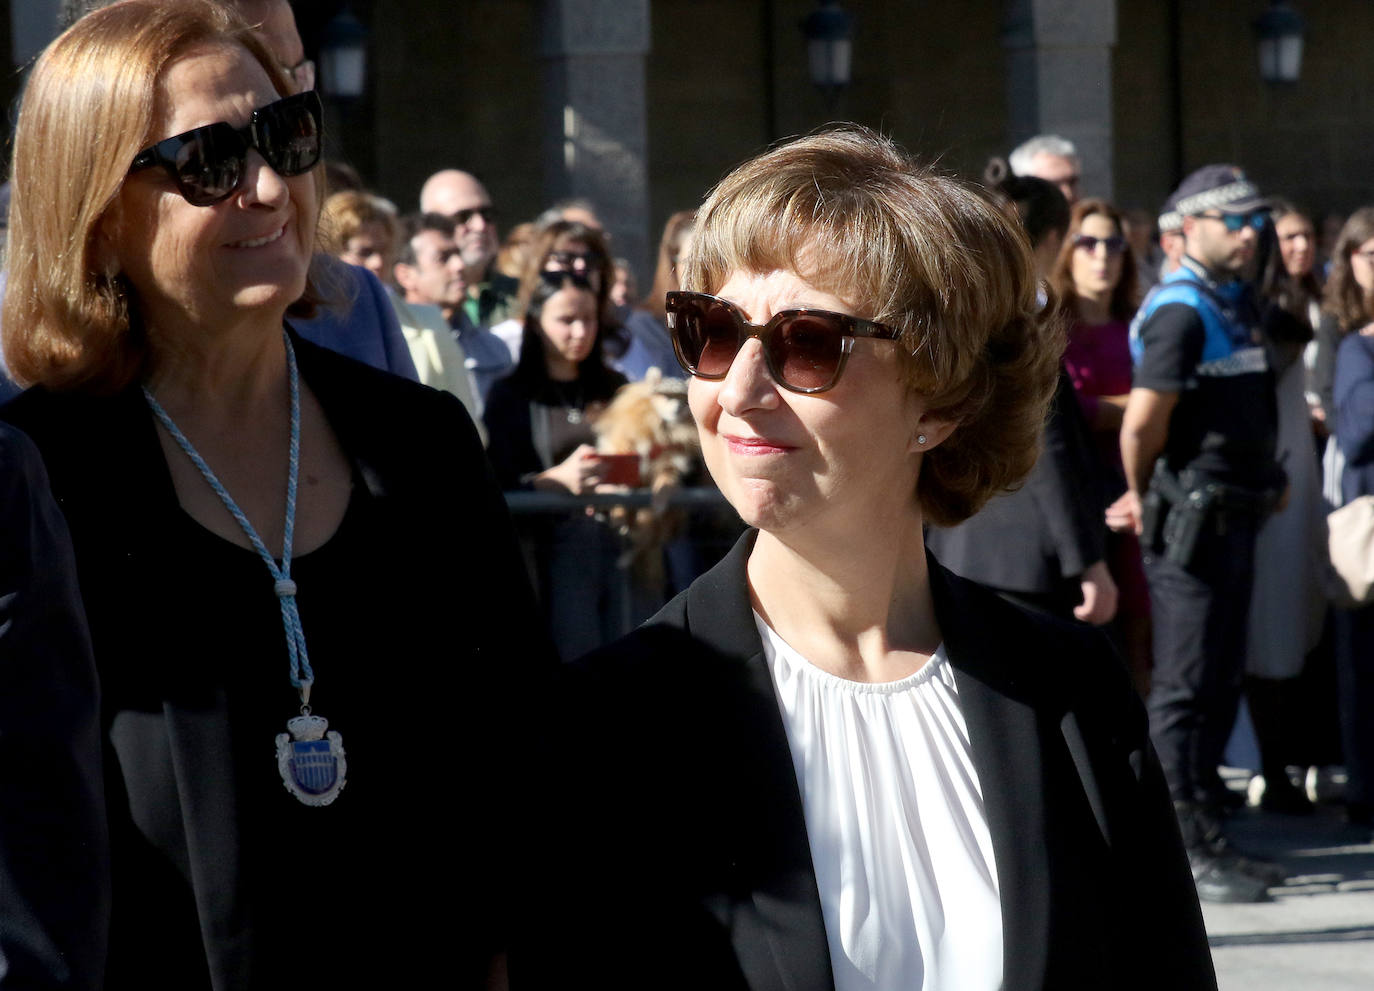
x=1049 y=530
x=1106 y=732
x=510 y=445
x=54 y=881
x=1067 y=485
x=398 y=359
x=1354 y=399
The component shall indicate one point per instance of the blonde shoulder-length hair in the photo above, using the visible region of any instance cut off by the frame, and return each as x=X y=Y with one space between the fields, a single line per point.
x=87 y=111
x=925 y=253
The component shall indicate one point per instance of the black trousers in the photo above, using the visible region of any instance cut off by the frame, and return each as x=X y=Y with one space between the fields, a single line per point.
x=1199 y=619
x=1355 y=676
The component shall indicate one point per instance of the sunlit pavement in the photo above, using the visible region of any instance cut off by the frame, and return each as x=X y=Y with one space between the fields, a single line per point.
x=1318 y=931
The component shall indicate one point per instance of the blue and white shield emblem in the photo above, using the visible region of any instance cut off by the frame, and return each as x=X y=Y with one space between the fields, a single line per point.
x=311 y=762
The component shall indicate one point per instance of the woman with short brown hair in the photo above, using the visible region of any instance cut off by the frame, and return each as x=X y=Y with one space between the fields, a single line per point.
x=830 y=762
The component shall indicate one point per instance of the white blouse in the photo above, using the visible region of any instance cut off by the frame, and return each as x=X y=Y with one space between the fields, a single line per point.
x=899 y=836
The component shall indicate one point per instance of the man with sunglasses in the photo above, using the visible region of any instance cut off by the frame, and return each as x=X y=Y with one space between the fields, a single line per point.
x=462 y=198
x=1198 y=442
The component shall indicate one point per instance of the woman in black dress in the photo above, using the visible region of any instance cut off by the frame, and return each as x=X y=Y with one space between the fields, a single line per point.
x=306 y=606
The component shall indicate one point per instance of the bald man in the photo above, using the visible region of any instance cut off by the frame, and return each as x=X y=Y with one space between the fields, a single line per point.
x=461 y=197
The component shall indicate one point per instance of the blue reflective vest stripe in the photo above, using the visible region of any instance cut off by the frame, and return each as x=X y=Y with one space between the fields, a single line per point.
x=1222 y=336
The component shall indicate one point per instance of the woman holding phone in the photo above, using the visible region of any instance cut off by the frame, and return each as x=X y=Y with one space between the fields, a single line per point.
x=539 y=423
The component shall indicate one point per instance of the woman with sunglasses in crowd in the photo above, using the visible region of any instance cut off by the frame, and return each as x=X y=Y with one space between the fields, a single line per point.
x=290 y=650
x=562 y=249
x=1095 y=279
x=539 y=427
x=1348 y=304
x=831 y=762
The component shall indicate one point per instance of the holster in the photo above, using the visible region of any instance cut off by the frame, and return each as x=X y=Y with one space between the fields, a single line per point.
x=1184 y=525
x=1177 y=509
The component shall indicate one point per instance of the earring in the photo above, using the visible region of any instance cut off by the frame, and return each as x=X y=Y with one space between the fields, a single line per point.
x=921 y=439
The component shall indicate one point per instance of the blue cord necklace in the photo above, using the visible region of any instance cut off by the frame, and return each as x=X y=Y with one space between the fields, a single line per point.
x=311 y=762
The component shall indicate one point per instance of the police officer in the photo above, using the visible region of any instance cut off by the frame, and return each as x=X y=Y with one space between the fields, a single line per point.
x=1198 y=441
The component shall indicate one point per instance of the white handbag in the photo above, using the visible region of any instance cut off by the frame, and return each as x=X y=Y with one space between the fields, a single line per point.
x=1350 y=538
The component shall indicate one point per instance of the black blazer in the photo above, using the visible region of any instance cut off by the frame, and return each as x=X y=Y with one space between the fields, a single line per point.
x=684 y=859
x=1038 y=540
x=422 y=665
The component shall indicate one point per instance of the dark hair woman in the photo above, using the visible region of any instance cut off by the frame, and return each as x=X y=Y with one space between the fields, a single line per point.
x=1043 y=215
x=1349 y=304
x=539 y=424
x=566 y=249
x=1288 y=598
x=1095 y=280
x=830 y=762
x=245 y=510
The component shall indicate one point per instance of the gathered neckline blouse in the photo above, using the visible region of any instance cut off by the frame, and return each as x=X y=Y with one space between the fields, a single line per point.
x=897 y=828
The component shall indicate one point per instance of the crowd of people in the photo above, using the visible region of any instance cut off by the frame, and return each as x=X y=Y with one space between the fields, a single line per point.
x=1118 y=437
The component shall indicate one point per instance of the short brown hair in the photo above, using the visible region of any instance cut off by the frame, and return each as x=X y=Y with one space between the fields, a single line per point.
x=1343 y=297
x=920 y=251
x=87 y=111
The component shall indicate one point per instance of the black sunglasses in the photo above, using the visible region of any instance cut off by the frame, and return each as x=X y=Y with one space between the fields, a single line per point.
x=1115 y=244
x=208 y=163
x=460 y=218
x=805 y=350
x=559 y=277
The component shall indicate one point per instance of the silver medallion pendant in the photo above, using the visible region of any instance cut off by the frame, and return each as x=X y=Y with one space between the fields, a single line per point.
x=311 y=762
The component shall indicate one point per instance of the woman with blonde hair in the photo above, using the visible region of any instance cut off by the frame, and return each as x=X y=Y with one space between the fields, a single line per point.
x=361 y=229
x=831 y=762
x=269 y=628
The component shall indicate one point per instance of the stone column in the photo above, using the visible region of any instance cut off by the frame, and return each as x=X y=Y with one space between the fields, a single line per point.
x=596 y=137
x=1059 y=79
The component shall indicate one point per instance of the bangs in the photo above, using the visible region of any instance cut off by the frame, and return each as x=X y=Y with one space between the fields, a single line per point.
x=902 y=247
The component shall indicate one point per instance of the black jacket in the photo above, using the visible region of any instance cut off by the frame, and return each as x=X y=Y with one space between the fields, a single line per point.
x=54 y=867
x=1038 y=540
x=683 y=860
x=423 y=657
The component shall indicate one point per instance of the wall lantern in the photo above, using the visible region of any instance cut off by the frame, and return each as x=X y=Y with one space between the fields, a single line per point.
x=829 y=30
x=1279 y=31
x=343 y=56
